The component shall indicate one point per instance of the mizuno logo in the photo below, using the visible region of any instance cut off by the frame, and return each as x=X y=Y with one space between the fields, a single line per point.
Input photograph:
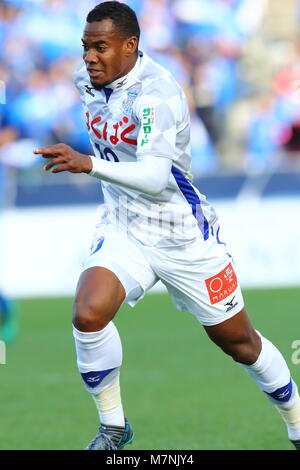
x=99 y=244
x=283 y=394
x=231 y=304
x=88 y=89
x=121 y=83
x=93 y=379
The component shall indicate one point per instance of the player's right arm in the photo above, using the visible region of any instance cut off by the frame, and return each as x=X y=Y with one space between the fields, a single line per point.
x=149 y=174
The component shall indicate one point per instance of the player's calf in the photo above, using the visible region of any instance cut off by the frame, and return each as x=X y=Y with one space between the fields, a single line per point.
x=98 y=345
x=99 y=358
x=271 y=373
x=265 y=364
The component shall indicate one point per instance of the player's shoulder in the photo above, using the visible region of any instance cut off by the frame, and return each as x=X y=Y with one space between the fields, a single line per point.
x=157 y=81
x=80 y=77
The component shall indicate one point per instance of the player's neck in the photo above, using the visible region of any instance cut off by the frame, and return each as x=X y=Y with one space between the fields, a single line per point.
x=126 y=74
x=129 y=67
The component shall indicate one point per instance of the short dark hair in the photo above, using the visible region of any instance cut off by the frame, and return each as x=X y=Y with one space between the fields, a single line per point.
x=123 y=17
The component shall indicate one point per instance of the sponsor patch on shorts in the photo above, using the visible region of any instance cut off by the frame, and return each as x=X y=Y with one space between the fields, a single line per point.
x=221 y=285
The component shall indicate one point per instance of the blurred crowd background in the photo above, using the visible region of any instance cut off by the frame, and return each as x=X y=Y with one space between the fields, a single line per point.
x=238 y=61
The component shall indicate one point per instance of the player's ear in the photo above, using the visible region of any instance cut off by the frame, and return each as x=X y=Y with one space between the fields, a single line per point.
x=131 y=45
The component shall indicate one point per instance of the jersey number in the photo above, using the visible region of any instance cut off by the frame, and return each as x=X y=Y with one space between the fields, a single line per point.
x=107 y=154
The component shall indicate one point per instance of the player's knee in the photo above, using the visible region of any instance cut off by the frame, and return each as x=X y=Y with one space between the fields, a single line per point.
x=244 y=354
x=90 y=315
x=245 y=351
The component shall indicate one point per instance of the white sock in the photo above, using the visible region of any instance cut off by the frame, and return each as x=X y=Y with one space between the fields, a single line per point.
x=99 y=357
x=290 y=413
x=109 y=404
x=272 y=375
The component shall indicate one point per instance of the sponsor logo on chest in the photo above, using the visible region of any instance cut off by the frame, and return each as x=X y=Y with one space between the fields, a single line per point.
x=111 y=131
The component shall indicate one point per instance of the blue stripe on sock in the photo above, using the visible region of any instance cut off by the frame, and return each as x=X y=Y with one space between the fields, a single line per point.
x=93 y=379
x=282 y=394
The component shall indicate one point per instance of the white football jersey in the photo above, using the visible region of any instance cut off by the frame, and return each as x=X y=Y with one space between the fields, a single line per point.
x=146 y=113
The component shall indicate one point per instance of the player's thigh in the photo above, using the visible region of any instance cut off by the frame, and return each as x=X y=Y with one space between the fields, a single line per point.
x=99 y=295
x=201 y=279
x=115 y=272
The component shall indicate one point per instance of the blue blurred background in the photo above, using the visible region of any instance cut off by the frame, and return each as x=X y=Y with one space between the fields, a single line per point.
x=237 y=60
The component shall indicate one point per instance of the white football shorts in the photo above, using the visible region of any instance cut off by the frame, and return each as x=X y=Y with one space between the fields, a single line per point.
x=199 y=276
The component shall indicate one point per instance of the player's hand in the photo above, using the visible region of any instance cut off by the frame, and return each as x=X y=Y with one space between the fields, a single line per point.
x=66 y=158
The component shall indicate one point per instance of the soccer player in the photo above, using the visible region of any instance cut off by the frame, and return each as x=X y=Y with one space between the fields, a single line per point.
x=155 y=224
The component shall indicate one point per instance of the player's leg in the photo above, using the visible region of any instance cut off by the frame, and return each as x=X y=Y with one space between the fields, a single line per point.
x=237 y=338
x=99 y=295
x=265 y=364
x=99 y=351
x=201 y=279
x=108 y=280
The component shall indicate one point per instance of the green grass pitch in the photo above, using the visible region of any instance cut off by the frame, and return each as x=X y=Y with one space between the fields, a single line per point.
x=179 y=390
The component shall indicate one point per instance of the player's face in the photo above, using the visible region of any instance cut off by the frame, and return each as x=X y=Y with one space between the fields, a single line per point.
x=108 y=56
